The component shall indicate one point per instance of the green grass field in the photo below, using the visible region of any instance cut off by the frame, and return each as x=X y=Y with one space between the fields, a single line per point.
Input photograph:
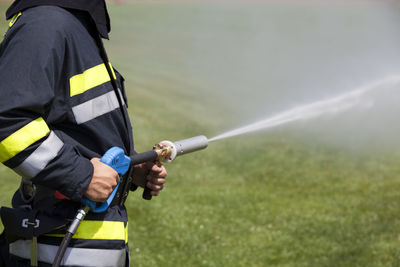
x=266 y=199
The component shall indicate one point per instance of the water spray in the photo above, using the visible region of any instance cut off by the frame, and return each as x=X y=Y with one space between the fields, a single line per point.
x=333 y=105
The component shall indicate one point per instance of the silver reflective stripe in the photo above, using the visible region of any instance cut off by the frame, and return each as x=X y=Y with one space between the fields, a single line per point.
x=73 y=256
x=96 y=107
x=39 y=159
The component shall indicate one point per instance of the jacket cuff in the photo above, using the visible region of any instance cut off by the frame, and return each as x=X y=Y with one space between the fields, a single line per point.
x=83 y=178
x=69 y=173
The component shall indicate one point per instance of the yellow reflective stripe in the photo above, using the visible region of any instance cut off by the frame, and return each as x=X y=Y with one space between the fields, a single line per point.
x=126 y=234
x=14 y=19
x=23 y=138
x=105 y=230
x=101 y=230
x=89 y=78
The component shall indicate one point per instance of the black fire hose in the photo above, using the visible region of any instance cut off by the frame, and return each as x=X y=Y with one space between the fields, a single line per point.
x=70 y=232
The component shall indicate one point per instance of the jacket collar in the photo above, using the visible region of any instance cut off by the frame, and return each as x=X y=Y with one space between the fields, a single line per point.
x=97 y=10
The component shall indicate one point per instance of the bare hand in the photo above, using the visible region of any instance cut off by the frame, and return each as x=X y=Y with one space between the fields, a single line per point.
x=103 y=182
x=150 y=175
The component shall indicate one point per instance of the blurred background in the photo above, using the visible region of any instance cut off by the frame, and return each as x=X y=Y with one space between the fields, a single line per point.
x=321 y=192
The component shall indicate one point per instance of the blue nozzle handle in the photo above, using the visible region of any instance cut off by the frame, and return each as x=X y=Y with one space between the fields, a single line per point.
x=114 y=157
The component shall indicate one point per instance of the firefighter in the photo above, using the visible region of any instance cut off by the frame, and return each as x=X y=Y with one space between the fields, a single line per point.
x=62 y=106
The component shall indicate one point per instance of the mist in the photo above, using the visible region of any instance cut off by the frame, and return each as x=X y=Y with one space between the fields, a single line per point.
x=264 y=59
x=245 y=61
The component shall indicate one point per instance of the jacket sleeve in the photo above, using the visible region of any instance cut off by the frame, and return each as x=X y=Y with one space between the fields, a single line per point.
x=31 y=58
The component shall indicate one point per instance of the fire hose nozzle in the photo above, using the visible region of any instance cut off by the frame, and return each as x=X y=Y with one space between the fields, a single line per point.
x=165 y=151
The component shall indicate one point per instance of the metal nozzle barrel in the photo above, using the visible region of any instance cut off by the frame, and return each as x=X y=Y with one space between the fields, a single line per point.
x=185 y=146
x=191 y=144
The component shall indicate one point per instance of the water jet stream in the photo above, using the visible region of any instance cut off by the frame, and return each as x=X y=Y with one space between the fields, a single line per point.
x=332 y=105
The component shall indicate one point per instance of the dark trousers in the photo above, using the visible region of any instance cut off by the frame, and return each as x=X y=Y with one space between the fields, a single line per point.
x=5 y=259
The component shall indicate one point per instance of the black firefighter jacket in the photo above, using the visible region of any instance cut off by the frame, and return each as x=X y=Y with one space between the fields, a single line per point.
x=58 y=109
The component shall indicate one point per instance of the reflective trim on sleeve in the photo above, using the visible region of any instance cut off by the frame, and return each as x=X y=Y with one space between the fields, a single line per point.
x=39 y=159
x=23 y=138
x=89 y=79
x=73 y=256
x=99 y=230
x=95 y=107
